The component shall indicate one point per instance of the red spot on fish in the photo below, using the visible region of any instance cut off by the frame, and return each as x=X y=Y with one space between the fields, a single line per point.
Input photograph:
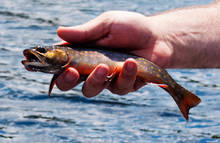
x=160 y=85
x=163 y=85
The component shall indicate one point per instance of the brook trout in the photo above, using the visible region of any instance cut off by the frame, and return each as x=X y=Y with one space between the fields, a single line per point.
x=55 y=59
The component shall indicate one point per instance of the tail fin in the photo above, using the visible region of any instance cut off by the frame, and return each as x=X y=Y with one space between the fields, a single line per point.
x=184 y=99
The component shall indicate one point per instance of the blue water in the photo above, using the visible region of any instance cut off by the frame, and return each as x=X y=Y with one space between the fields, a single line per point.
x=149 y=115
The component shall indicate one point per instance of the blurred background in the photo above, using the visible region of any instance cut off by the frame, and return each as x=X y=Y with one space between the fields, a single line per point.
x=148 y=115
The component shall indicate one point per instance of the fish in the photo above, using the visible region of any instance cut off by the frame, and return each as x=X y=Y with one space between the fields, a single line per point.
x=57 y=58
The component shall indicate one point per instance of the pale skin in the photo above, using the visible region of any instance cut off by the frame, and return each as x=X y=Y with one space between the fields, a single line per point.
x=181 y=38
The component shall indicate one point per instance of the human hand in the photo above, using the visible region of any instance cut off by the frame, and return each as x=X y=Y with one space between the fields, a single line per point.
x=126 y=30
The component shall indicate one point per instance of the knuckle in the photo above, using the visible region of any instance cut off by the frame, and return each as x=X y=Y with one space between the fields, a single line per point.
x=107 y=17
x=93 y=83
x=126 y=73
x=125 y=83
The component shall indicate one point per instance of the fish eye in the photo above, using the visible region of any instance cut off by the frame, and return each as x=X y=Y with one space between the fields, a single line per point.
x=41 y=50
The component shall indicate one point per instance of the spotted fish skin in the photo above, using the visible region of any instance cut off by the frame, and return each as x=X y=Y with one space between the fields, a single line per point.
x=85 y=59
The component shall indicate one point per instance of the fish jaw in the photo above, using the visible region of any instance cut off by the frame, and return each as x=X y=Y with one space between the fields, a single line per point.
x=35 y=62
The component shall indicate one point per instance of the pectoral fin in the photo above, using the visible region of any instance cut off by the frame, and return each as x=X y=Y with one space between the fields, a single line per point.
x=55 y=76
x=52 y=82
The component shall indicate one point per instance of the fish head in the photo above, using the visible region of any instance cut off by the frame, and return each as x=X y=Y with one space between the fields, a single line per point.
x=47 y=59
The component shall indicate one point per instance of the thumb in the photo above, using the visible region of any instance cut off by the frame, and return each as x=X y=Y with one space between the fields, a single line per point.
x=90 y=31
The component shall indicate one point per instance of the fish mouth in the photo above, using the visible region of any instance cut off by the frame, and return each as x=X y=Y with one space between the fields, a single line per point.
x=30 y=56
x=34 y=61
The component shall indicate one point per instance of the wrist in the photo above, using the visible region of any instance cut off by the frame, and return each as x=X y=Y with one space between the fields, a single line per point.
x=158 y=48
x=189 y=34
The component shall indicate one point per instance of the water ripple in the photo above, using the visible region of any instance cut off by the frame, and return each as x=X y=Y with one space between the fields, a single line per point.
x=6 y=136
x=27 y=114
x=27 y=16
x=67 y=121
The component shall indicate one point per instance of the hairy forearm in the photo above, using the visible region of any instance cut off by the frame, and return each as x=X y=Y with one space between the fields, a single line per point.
x=193 y=35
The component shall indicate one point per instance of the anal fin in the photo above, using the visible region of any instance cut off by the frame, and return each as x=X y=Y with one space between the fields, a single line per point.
x=159 y=84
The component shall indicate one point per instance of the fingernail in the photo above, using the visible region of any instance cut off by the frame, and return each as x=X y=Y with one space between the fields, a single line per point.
x=129 y=67
x=101 y=73
x=69 y=77
x=61 y=27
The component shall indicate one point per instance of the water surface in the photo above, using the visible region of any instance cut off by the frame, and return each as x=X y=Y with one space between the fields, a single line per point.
x=149 y=115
